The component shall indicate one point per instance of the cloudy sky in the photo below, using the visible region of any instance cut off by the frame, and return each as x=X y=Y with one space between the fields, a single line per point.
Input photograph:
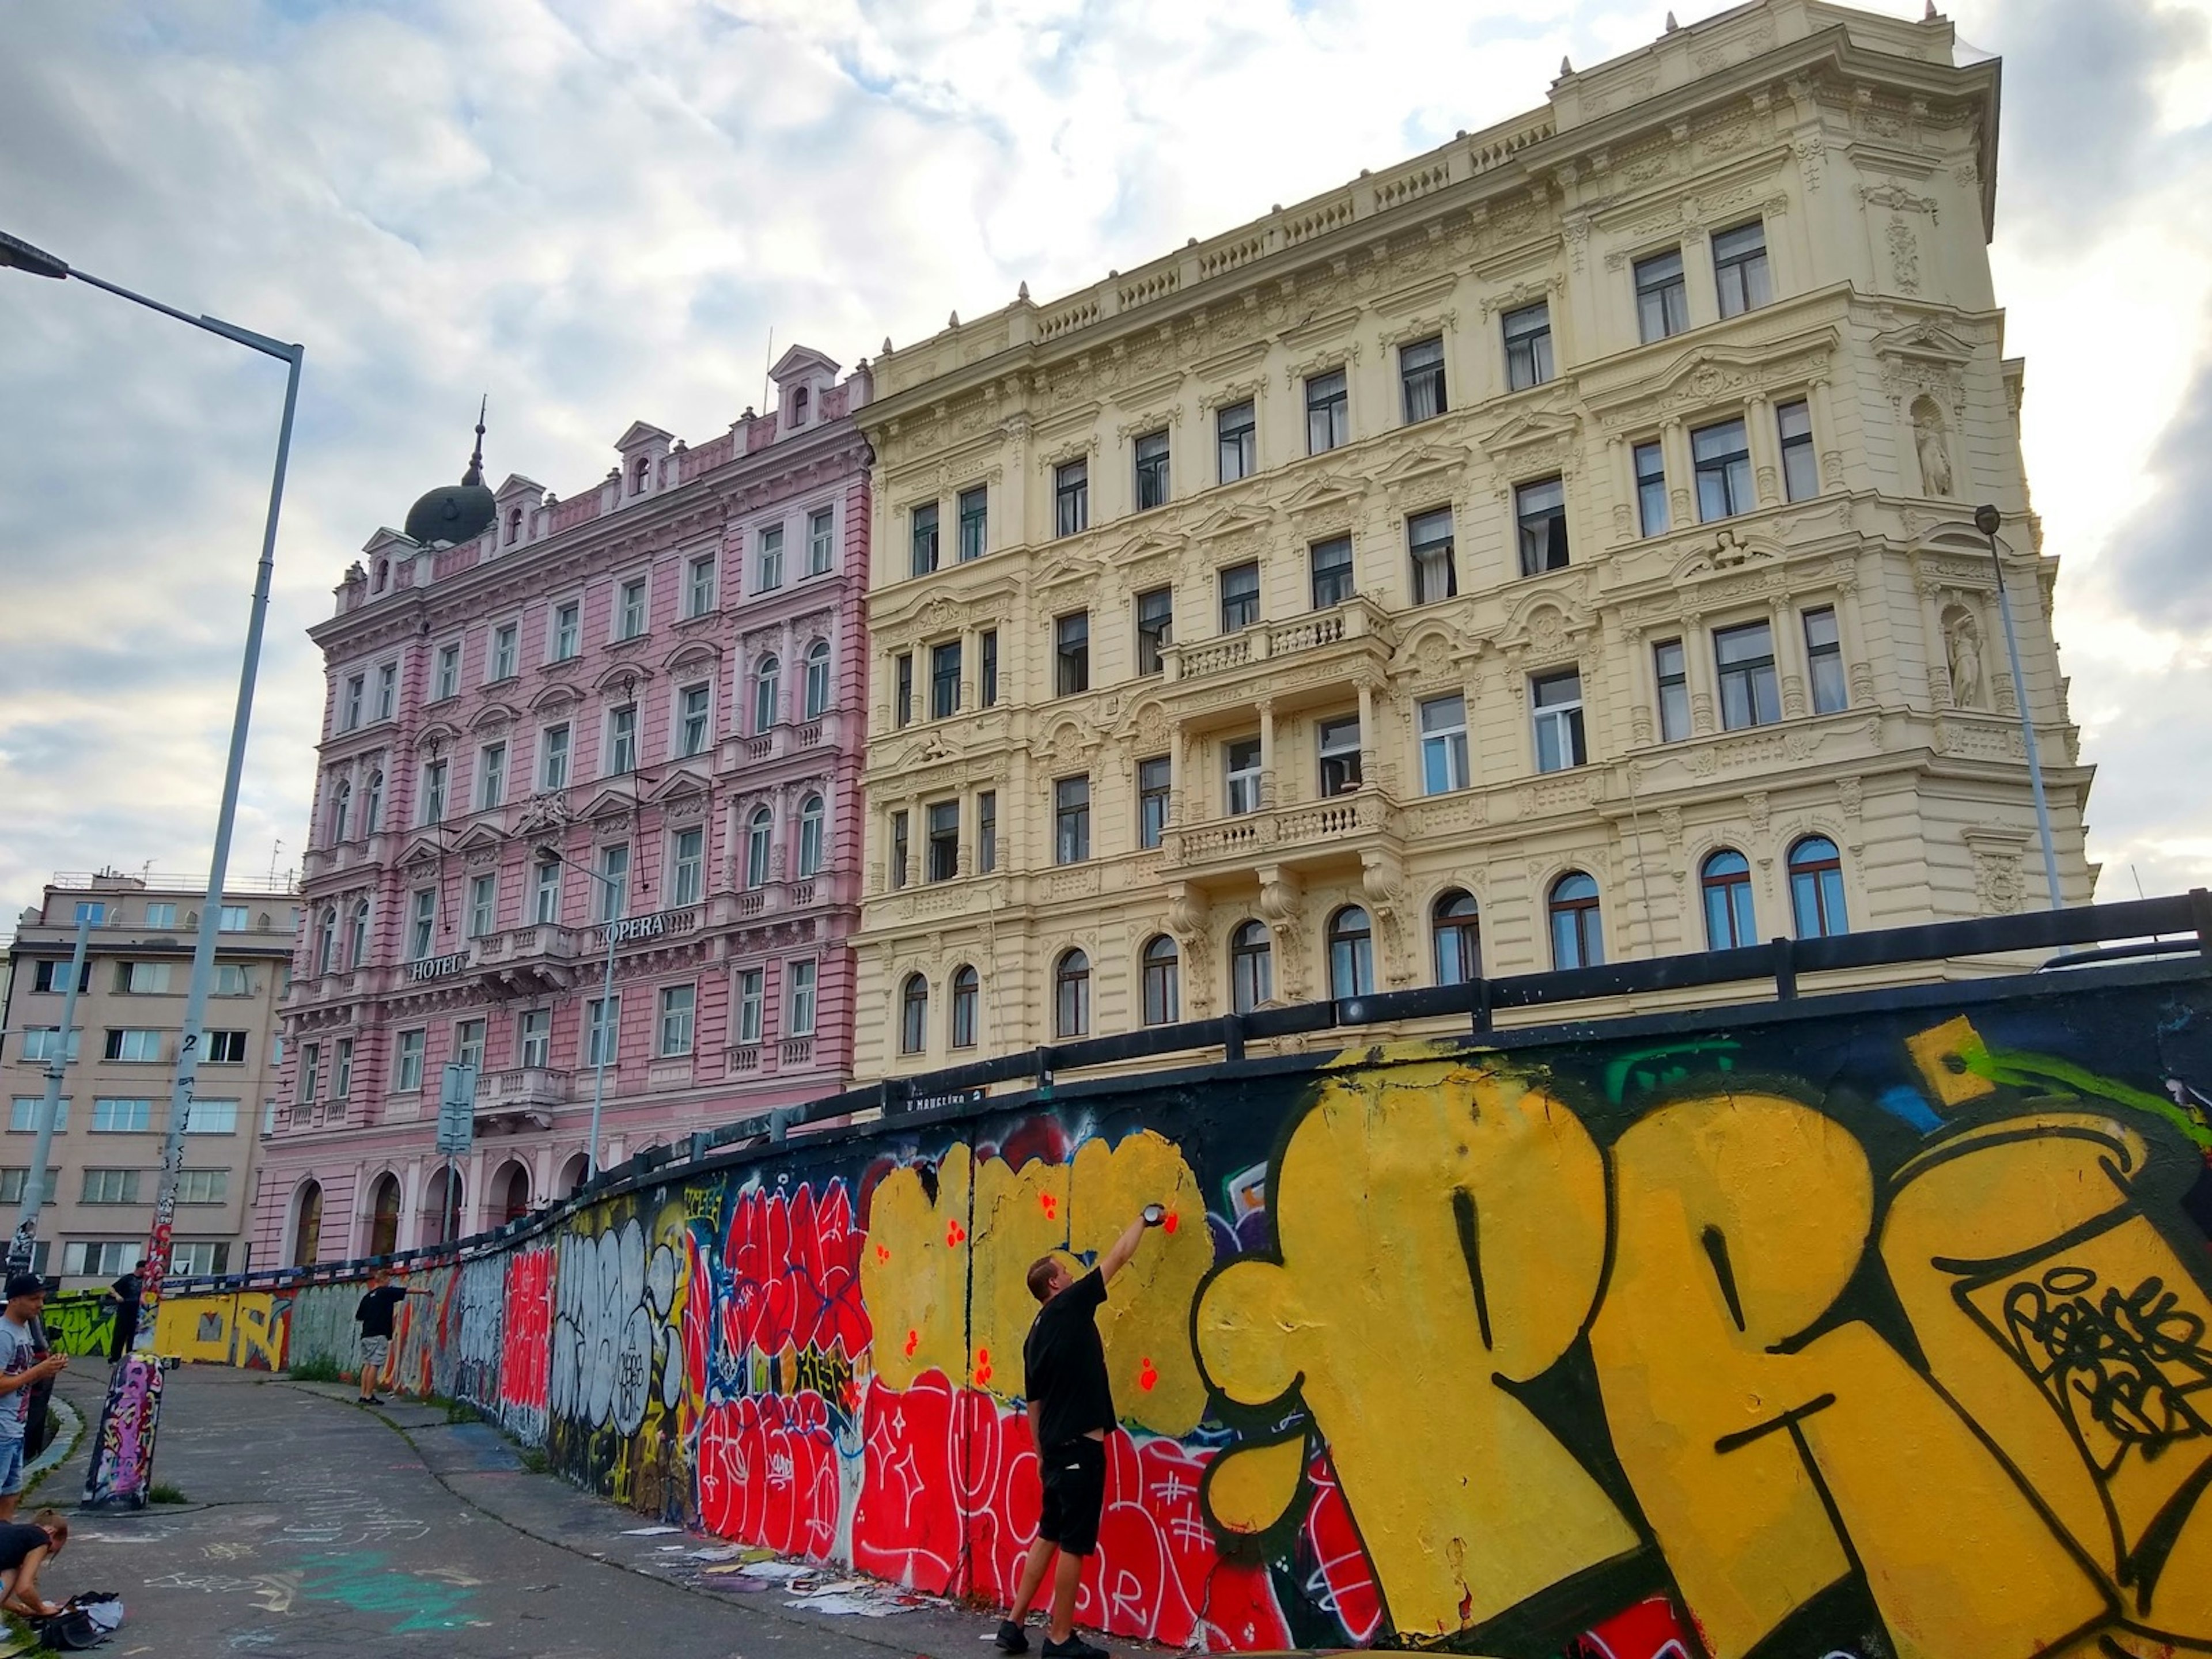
x=598 y=210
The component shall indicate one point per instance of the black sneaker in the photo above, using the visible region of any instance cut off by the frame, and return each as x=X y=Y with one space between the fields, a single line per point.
x=1074 y=1647
x=1010 y=1639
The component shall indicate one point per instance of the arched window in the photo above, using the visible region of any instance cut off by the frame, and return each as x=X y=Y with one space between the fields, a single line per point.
x=443 y=1195
x=764 y=675
x=572 y=1174
x=384 y=1215
x=372 y=810
x=510 y=1194
x=1816 y=888
x=308 y=1225
x=341 y=809
x=514 y=525
x=1071 y=995
x=967 y=987
x=639 y=470
x=1577 y=934
x=1163 y=980
x=1725 y=880
x=358 y=936
x=758 y=830
x=1458 y=928
x=383 y=577
x=810 y=837
x=914 y=1015
x=799 y=406
x=1351 y=954
x=817 y=679
x=1251 y=967
x=326 y=940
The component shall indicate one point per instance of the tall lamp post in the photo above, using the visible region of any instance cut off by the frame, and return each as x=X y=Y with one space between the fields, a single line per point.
x=136 y=1388
x=606 y=1041
x=1988 y=520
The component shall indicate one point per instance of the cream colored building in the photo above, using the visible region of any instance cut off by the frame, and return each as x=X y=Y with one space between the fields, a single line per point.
x=107 y=1149
x=1558 y=546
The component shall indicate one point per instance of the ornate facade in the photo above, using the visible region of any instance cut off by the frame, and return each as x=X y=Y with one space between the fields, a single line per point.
x=661 y=681
x=1557 y=548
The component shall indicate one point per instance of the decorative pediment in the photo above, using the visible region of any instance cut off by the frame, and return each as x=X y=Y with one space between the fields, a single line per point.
x=493 y=717
x=555 y=699
x=801 y=361
x=693 y=654
x=543 y=814
x=1066 y=568
x=607 y=806
x=622 y=678
x=1534 y=426
x=1242 y=521
x=1319 y=495
x=1926 y=341
x=519 y=484
x=437 y=735
x=1429 y=461
x=1549 y=625
x=1729 y=550
x=642 y=434
x=479 y=837
x=1153 y=544
x=422 y=849
x=683 y=779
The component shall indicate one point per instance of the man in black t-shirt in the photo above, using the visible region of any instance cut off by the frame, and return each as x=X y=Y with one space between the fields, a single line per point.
x=373 y=1315
x=1070 y=1413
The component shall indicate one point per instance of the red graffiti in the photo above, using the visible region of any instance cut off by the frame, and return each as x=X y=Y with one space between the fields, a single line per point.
x=1172 y=1222
x=954 y=1234
x=526 y=1350
x=1341 y=1580
x=982 y=1367
x=1051 y=1204
x=767 y=1473
x=1147 y=1375
x=796 y=1266
x=1649 y=1630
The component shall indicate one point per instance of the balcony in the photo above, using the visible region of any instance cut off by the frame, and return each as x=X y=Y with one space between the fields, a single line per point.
x=1306 y=834
x=534 y=960
x=524 y=1097
x=1320 y=649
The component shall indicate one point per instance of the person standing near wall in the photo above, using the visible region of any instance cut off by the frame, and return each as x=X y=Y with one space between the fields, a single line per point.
x=374 y=1314
x=1071 y=1405
x=20 y=1370
x=123 y=1299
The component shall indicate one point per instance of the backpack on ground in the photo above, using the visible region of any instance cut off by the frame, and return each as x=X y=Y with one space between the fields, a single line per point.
x=84 y=1621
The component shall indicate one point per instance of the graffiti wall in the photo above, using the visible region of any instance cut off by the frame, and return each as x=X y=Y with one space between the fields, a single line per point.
x=1871 y=1335
x=80 y=1323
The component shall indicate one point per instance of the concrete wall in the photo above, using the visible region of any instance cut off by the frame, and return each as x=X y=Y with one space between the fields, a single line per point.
x=1796 y=1331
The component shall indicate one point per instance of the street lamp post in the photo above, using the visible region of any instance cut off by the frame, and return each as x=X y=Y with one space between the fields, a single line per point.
x=606 y=1035
x=136 y=1385
x=1988 y=520
x=23 y=1249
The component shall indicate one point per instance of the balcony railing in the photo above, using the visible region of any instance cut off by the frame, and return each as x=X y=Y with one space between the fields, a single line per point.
x=1272 y=832
x=1357 y=620
x=523 y=1086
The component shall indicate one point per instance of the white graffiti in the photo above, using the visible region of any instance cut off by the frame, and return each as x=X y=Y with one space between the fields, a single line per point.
x=611 y=1331
x=482 y=1295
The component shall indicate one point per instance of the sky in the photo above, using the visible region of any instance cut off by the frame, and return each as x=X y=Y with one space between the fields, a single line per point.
x=601 y=211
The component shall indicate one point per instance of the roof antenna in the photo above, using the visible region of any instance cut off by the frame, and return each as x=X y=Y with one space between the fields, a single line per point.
x=475 y=474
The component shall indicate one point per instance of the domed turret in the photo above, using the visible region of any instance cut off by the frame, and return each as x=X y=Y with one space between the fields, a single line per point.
x=456 y=513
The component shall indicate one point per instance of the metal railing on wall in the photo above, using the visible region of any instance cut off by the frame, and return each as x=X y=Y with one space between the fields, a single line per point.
x=2174 y=928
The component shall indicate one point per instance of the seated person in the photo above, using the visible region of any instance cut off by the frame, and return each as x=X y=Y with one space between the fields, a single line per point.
x=25 y=1548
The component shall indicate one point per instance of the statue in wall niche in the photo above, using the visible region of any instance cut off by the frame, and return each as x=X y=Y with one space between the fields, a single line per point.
x=1962 y=644
x=1928 y=443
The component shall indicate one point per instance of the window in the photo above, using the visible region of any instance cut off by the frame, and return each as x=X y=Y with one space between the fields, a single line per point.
x=1539 y=512
x=1670 y=665
x=1528 y=346
x=514 y=525
x=1251 y=967
x=122 y=1117
x=1443 y=746
x=1578 y=932
x=1071 y=995
x=1558 y=704
x=1351 y=954
x=1662 y=303
x=226 y=1048
x=1240 y=597
x=40 y=1042
x=1339 y=756
x=566 y=630
x=469 y=1044
x=898 y=850
x=140 y=978
x=799 y=406
x=407 y=1068
x=350 y=704
x=766 y=672
x=161 y=917
x=987 y=643
x=1824 y=655
x=987 y=831
x=1650 y=488
x=199 y=1258
x=1429 y=540
x=614 y=887
x=372 y=814
x=203 y=1186
x=821 y=541
x=801 y=1019
x=387 y=691
x=102 y=1259
x=760 y=835
x=1724 y=879
x=213 y=1117
x=1163 y=989
x=699 y=585
x=421 y=931
x=341 y=1084
x=115 y=1187
x=357 y=935
x=1458 y=930
x=1421 y=379
x=1745 y=656
x=817 y=679
x=134 y=1045
x=1331 y=564
x=483 y=904
x=326 y=940
x=53 y=976
x=1154 y=627
x=630 y=610
x=902 y=688
x=1240 y=767
x=545 y=894
x=434 y=793
x=1236 y=441
x=15 y=1182
x=943 y=680
x=533 y=1038
x=914 y=1015
x=1816 y=888
x=1152 y=451
x=974 y=523
x=621 y=739
x=311 y=1070
x=752 y=1002
x=231 y=980
x=341 y=809
x=1071 y=820
x=924 y=528
x=811 y=819
x=640 y=469
x=941 y=850
x=491 y=775
x=687 y=867
x=232 y=919
x=602 y=1030
x=1071 y=653
x=1329 y=412
x=692 y=725
x=1071 y=498
x=503 y=640
x=553 y=766
x=1800 y=471
x=1740 y=268
x=677 y=1004
x=23 y=1114
x=447 y=683
x=966 y=987
x=1152 y=793
x=1723 y=455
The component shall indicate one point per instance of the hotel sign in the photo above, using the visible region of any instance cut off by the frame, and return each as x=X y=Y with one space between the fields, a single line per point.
x=444 y=967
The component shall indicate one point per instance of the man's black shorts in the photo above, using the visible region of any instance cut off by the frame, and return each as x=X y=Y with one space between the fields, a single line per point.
x=1074 y=1477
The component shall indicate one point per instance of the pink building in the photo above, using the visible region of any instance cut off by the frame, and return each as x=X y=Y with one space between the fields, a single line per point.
x=663 y=680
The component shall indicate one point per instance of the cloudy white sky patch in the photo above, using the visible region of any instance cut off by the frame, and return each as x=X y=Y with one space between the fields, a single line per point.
x=597 y=212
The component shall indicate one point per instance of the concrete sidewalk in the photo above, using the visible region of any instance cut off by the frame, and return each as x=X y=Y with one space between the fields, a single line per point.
x=313 y=1526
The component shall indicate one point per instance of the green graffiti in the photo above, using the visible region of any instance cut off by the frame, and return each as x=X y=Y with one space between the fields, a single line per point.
x=2023 y=1071
x=1637 y=1064
x=365 y=1584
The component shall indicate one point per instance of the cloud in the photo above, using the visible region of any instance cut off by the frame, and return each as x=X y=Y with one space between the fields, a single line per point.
x=2162 y=559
